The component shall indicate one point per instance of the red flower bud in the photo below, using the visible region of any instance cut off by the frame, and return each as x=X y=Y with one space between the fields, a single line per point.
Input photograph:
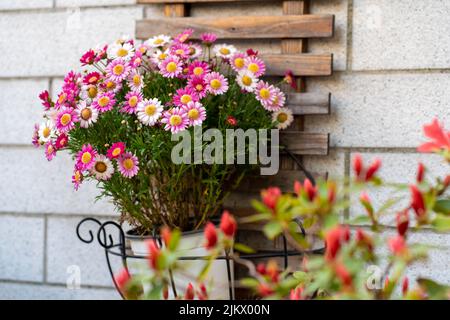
x=296 y=294
x=405 y=286
x=231 y=121
x=189 y=294
x=251 y=52
x=210 y=236
x=166 y=235
x=228 y=224
x=357 y=165
x=363 y=239
x=264 y=290
x=397 y=245
x=272 y=271
x=418 y=203
x=447 y=181
x=334 y=240
x=122 y=278
x=402 y=222
x=270 y=197
x=331 y=192
x=298 y=187
x=372 y=170
x=154 y=253
x=165 y=293
x=310 y=189
x=420 y=172
x=343 y=275
x=261 y=268
x=289 y=78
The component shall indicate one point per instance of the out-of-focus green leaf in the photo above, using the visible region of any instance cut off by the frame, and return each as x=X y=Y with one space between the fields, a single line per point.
x=442 y=206
x=243 y=248
x=434 y=290
x=362 y=219
x=441 y=223
x=272 y=229
x=260 y=207
x=249 y=282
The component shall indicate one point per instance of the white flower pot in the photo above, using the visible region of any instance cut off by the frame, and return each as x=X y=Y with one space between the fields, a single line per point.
x=192 y=245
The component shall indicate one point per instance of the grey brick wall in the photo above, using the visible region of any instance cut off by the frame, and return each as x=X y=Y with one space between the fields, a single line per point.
x=392 y=75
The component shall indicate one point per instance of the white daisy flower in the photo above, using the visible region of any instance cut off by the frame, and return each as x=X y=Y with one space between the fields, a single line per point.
x=87 y=115
x=157 y=41
x=46 y=131
x=158 y=56
x=247 y=80
x=283 y=118
x=103 y=168
x=135 y=81
x=224 y=51
x=118 y=50
x=88 y=92
x=149 y=111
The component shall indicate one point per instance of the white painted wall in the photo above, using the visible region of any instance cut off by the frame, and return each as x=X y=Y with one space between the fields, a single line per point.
x=392 y=62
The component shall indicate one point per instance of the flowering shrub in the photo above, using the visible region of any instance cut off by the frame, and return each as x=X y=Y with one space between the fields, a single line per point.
x=118 y=115
x=342 y=271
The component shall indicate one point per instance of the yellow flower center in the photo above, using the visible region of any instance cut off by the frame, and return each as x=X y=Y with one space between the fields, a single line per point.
x=246 y=80
x=86 y=114
x=171 y=67
x=198 y=71
x=122 y=52
x=77 y=175
x=215 y=84
x=143 y=50
x=65 y=119
x=224 y=51
x=128 y=164
x=199 y=87
x=118 y=69
x=93 y=79
x=110 y=85
x=264 y=93
x=137 y=80
x=253 y=67
x=50 y=149
x=239 y=63
x=62 y=98
x=185 y=99
x=183 y=38
x=162 y=56
x=103 y=101
x=175 y=120
x=158 y=41
x=100 y=167
x=46 y=132
x=116 y=152
x=150 y=109
x=179 y=51
x=133 y=101
x=86 y=157
x=282 y=117
x=193 y=114
x=92 y=92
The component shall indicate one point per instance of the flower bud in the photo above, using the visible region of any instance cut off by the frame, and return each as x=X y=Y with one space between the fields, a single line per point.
x=210 y=236
x=228 y=224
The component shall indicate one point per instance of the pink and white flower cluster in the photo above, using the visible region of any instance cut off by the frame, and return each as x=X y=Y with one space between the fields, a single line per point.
x=114 y=82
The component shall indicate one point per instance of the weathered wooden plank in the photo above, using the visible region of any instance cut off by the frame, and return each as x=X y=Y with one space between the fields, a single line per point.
x=309 y=103
x=305 y=143
x=242 y=27
x=198 y=1
x=300 y=64
x=175 y=10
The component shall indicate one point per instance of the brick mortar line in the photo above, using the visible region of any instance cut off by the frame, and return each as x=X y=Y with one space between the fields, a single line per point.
x=57 y=9
x=53 y=284
x=44 y=258
x=57 y=215
x=349 y=44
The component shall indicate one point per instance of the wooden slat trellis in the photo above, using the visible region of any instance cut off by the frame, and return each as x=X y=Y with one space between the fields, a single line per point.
x=293 y=29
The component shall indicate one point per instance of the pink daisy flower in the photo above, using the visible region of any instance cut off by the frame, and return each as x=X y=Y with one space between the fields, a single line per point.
x=196 y=113
x=237 y=61
x=86 y=157
x=88 y=58
x=255 y=65
x=198 y=84
x=132 y=100
x=77 y=178
x=176 y=120
x=92 y=78
x=104 y=101
x=208 y=38
x=50 y=150
x=278 y=101
x=217 y=84
x=184 y=96
x=61 y=141
x=184 y=36
x=128 y=165
x=116 y=150
x=181 y=50
x=66 y=119
x=118 y=70
x=171 y=67
x=199 y=68
x=136 y=60
x=265 y=93
x=46 y=100
x=135 y=81
x=195 y=50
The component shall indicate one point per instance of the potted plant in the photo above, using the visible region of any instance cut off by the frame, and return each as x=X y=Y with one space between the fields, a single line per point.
x=122 y=116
